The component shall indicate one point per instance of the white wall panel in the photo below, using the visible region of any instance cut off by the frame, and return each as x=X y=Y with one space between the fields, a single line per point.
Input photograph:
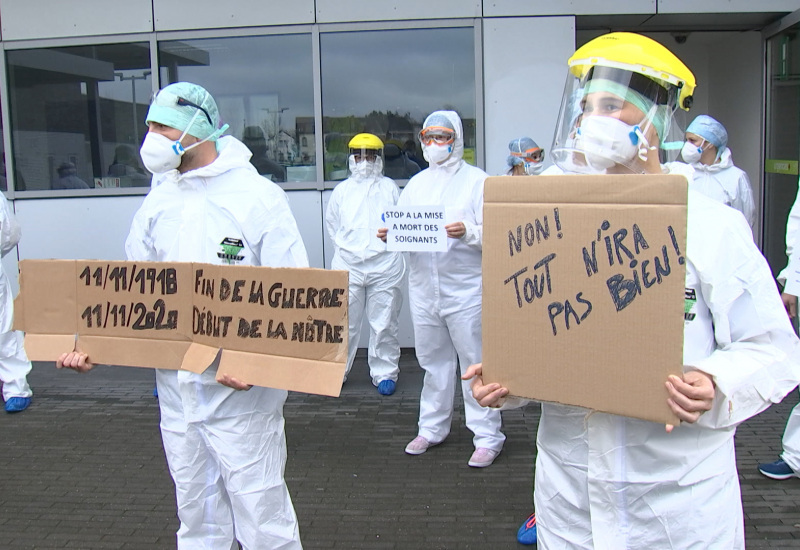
x=212 y=14
x=525 y=66
x=22 y=20
x=74 y=229
x=509 y=8
x=96 y=227
x=727 y=6
x=335 y=11
x=736 y=99
x=307 y=209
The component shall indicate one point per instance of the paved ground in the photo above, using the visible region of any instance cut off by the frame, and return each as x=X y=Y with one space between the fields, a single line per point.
x=84 y=469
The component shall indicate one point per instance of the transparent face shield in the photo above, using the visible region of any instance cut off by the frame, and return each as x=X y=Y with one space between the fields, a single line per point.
x=616 y=121
x=365 y=162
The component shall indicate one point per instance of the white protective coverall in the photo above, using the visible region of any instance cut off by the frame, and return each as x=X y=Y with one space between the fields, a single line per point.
x=226 y=449
x=725 y=183
x=352 y=219
x=791 y=434
x=444 y=291
x=14 y=363
x=609 y=482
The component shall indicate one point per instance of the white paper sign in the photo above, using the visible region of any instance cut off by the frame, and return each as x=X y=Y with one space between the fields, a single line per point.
x=793 y=276
x=416 y=229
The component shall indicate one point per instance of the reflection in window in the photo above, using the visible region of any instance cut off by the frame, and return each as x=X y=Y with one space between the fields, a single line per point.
x=264 y=88
x=77 y=115
x=385 y=83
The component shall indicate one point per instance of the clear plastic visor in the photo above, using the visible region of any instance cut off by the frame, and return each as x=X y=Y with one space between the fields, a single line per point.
x=616 y=121
x=363 y=154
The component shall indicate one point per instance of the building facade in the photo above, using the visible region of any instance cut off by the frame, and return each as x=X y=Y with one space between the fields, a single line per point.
x=300 y=78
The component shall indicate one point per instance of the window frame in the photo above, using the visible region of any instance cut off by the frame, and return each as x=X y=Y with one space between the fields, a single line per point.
x=153 y=38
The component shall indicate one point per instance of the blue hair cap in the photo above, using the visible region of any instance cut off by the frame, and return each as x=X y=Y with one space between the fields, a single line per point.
x=711 y=130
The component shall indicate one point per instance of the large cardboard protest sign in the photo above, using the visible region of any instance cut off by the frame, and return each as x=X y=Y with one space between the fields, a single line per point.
x=583 y=282
x=278 y=327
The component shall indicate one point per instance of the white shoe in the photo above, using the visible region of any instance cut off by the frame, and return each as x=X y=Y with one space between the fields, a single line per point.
x=418 y=445
x=482 y=457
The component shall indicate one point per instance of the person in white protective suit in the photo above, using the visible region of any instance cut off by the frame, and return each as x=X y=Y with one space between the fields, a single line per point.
x=606 y=481
x=224 y=440
x=706 y=150
x=445 y=290
x=788 y=464
x=14 y=362
x=353 y=217
x=525 y=158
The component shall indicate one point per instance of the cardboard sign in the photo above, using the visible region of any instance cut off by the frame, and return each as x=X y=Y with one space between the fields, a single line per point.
x=416 y=229
x=583 y=289
x=282 y=328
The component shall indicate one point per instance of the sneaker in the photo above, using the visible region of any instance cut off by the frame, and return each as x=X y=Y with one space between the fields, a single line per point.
x=482 y=457
x=17 y=404
x=418 y=445
x=527 y=531
x=386 y=387
x=775 y=470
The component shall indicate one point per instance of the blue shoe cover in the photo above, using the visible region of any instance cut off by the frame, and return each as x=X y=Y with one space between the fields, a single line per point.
x=527 y=531
x=17 y=404
x=386 y=387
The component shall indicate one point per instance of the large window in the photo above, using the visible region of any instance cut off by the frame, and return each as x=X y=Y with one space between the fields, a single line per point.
x=264 y=88
x=77 y=116
x=386 y=82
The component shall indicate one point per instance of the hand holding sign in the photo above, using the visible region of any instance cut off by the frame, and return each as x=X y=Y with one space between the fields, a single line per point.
x=456 y=230
x=231 y=382
x=487 y=395
x=74 y=360
x=690 y=397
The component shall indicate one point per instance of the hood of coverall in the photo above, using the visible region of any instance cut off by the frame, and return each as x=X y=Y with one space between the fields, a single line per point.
x=454 y=161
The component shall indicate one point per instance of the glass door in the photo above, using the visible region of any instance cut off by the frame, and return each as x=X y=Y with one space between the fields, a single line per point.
x=782 y=139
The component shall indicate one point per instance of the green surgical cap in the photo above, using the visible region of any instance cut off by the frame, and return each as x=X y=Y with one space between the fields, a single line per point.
x=661 y=117
x=165 y=109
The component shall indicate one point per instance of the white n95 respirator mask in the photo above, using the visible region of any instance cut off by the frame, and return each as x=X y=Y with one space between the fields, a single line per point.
x=437 y=154
x=606 y=141
x=691 y=153
x=160 y=154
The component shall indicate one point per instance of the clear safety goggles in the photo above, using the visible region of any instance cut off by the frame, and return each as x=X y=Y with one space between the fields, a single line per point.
x=437 y=135
x=531 y=155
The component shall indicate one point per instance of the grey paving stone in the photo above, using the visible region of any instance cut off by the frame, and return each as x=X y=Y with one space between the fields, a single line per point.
x=83 y=468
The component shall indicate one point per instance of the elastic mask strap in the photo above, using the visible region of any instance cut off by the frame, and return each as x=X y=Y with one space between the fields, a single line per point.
x=177 y=146
x=637 y=135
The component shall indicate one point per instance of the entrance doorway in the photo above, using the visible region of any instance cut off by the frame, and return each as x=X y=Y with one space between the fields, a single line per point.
x=782 y=132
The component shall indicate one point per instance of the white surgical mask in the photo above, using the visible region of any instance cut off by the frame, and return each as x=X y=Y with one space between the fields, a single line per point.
x=533 y=168
x=437 y=154
x=691 y=153
x=607 y=141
